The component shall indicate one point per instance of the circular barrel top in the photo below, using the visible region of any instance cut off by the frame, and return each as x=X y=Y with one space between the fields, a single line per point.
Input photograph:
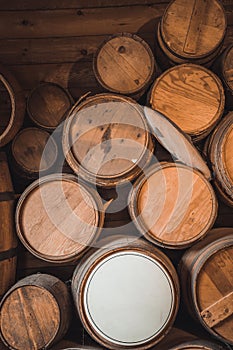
x=214 y=293
x=107 y=137
x=195 y=28
x=227 y=67
x=57 y=218
x=182 y=202
x=227 y=147
x=35 y=315
x=48 y=105
x=142 y=311
x=5 y=108
x=191 y=96
x=34 y=150
x=124 y=64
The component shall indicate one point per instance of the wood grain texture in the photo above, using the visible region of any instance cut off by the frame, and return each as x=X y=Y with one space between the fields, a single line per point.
x=48 y=105
x=8 y=241
x=227 y=67
x=200 y=27
x=106 y=139
x=34 y=152
x=40 y=307
x=182 y=201
x=58 y=218
x=124 y=64
x=191 y=96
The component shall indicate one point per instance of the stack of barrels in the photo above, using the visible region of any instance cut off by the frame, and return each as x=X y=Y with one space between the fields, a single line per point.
x=126 y=289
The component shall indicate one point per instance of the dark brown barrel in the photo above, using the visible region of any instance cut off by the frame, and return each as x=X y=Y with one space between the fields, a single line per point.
x=178 y=339
x=207 y=284
x=192 y=31
x=35 y=313
x=226 y=72
x=106 y=140
x=34 y=153
x=126 y=293
x=58 y=218
x=8 y=241
x=124 y=64
x=220 y=155
x=182 y=201
x=11 y=117
x=191 y=96
x=48 y=105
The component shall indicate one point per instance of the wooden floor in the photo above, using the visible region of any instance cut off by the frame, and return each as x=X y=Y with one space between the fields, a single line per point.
x=54 y=41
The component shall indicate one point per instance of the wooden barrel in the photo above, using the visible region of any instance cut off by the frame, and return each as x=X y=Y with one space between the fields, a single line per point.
x=192 y=31
x=12 y=106
x=8 y=241
x=207 y=284
x=124 y=64
x=220 y=155
x=34 y=153
x=182 y=201
x=48 y=105
x=126 y=294
x=58 y=218
x=106 y=140
x=178 y=339
x=35 y=313
x=226 y=72
x=191 y=96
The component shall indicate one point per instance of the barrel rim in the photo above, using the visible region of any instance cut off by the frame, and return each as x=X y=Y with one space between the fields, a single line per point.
x=225 y=54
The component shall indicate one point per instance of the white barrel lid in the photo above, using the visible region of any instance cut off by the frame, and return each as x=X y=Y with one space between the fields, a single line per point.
x=129 y=298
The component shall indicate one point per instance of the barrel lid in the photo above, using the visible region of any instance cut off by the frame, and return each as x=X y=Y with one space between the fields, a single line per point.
x=227 y=68
x=195 y=28
x=126 y=308
x=57 y=218
x=106 y=137
x=124 y=63
x=34 y=150
x=191 y=96
x=31 y=308
x=182 y=202
x=48 y=105
x=214 y=293
x=227 y=147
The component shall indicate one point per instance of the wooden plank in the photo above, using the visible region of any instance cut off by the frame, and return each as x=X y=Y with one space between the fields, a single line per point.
x=64 y=23
x=70 y=49
x=72 y=4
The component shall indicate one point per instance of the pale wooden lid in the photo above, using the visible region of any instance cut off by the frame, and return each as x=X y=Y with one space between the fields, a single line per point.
x=193 y=28
x=124 y=64
x=34 y=150
x=182 y=202
x=190 y=95
x=30 y=318
x=48 y=104
x=109 y=136
x=227 y=153
x=228 y=68
x=214 y=293
x=58 y=219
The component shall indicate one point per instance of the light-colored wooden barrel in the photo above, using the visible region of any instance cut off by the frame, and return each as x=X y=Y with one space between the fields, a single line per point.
x=35 y=313
x=124 y=64
x=226 y=67
x=106 y=140
x=34 y=153
x=126 y=294
x=207 y=284
x=191 y=96
x=8 y=241
x=178 y=339
x=58 y=218
x=70 y=345
x=48 y=105
x=11 y=118
x=172 y=205
x=220 y=155
x=192 y=31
